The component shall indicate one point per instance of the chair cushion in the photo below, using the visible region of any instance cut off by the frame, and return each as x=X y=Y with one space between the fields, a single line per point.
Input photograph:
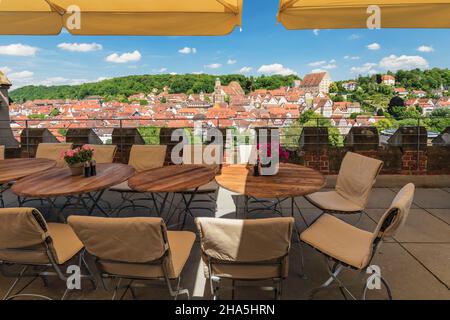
x=122 y=187
x=340 y=240
x=180 y=243
x=333 y=201
x=65 y=242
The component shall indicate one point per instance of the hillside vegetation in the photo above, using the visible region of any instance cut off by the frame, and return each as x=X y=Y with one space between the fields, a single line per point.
x=120 y=88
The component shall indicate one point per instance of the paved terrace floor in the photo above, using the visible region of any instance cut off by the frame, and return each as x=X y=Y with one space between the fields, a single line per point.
x=416 y=262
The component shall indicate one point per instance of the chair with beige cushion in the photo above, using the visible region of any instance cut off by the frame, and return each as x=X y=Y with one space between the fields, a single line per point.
x=142 y=158
x=245 y=250
x=104 y=153
x=196 y=154
x=53 y=151
x=2 y=152
x=354 y=184
x=135 y=249
x=347 y=246
x=27 y=240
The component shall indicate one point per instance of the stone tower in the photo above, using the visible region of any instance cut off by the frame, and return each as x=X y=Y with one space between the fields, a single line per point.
x=6 y=135
x=219 y=97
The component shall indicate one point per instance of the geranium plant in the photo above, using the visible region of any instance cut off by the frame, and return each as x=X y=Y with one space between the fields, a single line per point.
x=78 y=155
x=283 y=153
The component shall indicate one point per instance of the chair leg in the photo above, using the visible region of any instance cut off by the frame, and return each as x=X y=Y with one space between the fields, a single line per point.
x=215 y=287
x=383 y=281
x=178 y=291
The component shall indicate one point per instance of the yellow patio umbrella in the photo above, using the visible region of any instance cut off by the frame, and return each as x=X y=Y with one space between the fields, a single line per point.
x=339 y=14
x=121 y=17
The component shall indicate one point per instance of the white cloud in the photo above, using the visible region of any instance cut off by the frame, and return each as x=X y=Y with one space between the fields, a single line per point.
x=99 y=79
x=5 y=69
x=231 y=61
x=187 y=50
x=332 y=61
x=80 y=47
x=124 y=58
x=213 y=66
x=276 y=68
x=367 y=68
x=18 y=49
x=162 y=70
x=198 y=72
x=21 y=75
x=351 y=58
x=354 y=36
x=403 y=62
x=173 y=73
x=329 y=66
x=316 y=32
x=425 y=49
x=317 y=63
x=245 y=70
x=317 y=70
x=374 y=46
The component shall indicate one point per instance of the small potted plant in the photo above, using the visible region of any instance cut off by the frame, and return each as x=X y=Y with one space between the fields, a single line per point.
x=76 y=158
x=267 y=148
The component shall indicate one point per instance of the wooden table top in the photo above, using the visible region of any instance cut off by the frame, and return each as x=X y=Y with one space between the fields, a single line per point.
x=170 y=179
x=60 y=183
x=15 y=169
x=291 y=181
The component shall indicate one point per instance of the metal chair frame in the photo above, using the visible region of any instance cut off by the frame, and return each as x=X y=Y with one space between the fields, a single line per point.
x=338 y=266
x=42 y=274
x=215 y=280
x=174 y=292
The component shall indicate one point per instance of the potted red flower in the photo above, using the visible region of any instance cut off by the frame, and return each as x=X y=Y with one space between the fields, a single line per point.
x=76 y=158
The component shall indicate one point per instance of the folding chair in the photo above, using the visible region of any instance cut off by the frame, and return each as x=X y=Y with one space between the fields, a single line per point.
x=27 y=240
x=104 y=153
x=2 y=152
x=344 y=245
x=142 y=158
x=135 y=249
x=53 y=151
x=354 y=184
x=245 y=250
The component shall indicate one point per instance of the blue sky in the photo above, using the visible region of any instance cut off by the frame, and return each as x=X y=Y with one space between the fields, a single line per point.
x=261 y=47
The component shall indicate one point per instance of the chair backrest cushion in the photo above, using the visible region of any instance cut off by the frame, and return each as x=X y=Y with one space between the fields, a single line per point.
x=245 y=241
x=357 y=177
x=147 y=157
x=53 y=151
x=22 y=236
x=2 y=152
x=132 y=240
x=104 y=153
x=19 y=228
x=196 y=154
x=401 y=205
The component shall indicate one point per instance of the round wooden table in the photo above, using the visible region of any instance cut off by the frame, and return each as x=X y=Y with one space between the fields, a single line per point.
x=56 y=183
x=179 y=179
x=291 y=181
x=15 y=169
x=172 y=179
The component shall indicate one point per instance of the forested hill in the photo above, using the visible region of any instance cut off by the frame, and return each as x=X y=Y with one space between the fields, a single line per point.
x=120 y=88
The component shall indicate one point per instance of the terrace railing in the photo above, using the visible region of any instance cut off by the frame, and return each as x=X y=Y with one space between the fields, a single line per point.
x=419 y=146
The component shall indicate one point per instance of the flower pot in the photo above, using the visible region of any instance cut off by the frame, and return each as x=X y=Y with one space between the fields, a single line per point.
x=76 y=169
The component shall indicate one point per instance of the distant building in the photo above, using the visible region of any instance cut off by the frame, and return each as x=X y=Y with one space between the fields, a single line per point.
x=315 y=83
x=232 y=90
x=388 y=80
x=402 y=92
x=350 y=86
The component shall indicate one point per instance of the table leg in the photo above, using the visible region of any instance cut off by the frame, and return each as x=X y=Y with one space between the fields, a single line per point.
x=53 y=209
x=3 y=188
x=95 y=199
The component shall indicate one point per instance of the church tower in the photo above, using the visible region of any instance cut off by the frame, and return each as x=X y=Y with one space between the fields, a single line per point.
x=219 y=97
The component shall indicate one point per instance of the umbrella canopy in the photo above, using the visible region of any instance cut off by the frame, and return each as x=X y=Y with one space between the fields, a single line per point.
x=119 y=17
x=340 y=14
